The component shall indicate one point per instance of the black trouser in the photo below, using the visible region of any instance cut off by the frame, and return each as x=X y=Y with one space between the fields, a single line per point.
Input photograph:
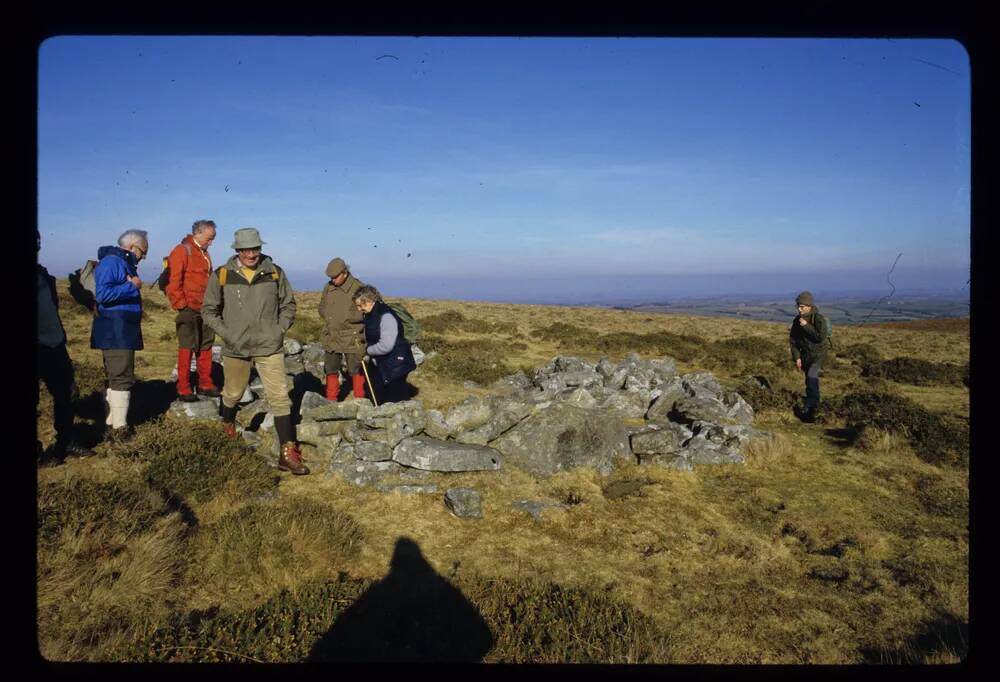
x=395 y=391
x=56 y=370
x=812 y=384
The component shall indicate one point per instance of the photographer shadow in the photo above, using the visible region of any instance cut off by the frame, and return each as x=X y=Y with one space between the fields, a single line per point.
x=411 y=615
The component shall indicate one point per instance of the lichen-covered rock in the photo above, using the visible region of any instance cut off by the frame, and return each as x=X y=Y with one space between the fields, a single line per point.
x=373 y=451
x=666 y=440
x=563 y=437
x=329 y=410
x=536 y=507
x=430 y=454
x=632 y=404
x=363 y=473
x=511 y=385
x=203 y=408
x=581 y=397
x=435 y=425
x=700 y=450
x=506 y=415
x=407 y=488
x=690 y=410
x=311 y=399
x=739 y=411
x=310 y=431
x=670 y=392
x=292 y=347
x=464 y=503
x=468 y=414
x=701 y=385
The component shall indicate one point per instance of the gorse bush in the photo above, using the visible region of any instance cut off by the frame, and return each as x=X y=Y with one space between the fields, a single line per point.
x=862 y=354
x=195 y=460
x=530 y=621
x=122 y=506
x=683 y=347
x=476 y=360
x=918 y=372
x=934 y=438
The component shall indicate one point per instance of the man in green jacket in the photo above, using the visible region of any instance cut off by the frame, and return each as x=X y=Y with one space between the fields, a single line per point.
x=809 y=339
x=250 y=304
x=343 y=334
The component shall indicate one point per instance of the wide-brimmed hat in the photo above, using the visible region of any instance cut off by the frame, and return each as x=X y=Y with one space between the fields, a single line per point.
x=805 y=298
x=247 y=238
x=335 y=267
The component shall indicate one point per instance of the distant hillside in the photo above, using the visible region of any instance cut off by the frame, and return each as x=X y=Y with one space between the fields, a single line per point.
x=847 y=311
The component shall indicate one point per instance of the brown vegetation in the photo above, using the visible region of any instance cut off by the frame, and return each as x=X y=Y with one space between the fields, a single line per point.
x=844 y=541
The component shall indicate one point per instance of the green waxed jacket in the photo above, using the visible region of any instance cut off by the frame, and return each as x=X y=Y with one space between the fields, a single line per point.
x=251 y=317
x=810 y=341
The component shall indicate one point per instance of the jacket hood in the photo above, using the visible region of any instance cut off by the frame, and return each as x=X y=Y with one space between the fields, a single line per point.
x=115 y=251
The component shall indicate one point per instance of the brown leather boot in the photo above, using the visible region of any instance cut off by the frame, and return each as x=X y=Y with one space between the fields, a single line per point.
x=291 y=459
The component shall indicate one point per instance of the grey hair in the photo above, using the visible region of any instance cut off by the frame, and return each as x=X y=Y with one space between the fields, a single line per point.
x=366 y=293
x=130 y=237
x=201 y=225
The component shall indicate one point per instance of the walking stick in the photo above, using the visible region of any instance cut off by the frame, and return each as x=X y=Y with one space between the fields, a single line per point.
x=369 y=380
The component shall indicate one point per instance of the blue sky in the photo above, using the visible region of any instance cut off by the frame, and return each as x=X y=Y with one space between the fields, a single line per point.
x=519 y=168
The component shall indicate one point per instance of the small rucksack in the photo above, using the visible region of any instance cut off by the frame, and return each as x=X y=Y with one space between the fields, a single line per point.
x=83 y=285
x=164 y=279
x=411 y=328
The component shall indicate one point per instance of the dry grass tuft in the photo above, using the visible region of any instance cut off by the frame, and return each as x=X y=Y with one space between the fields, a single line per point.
x=264 y=547
x=110 y=556
x=768 y=451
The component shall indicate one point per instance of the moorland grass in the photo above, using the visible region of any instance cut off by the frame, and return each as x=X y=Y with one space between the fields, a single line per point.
x=824 y=548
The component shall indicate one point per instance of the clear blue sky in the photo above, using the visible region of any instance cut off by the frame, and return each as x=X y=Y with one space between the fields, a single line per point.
x=518 y=168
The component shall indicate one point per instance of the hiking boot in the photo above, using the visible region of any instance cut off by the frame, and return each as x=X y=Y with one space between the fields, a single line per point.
x=119 y=435
x=291 y=459
x=187 y=397
x=230 y=429
x=74 y=449
x=210 y=392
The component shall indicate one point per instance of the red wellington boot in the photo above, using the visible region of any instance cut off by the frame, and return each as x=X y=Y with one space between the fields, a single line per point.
x=358 y=384
x=332 y=386
x=205 y=385
x=184 y=376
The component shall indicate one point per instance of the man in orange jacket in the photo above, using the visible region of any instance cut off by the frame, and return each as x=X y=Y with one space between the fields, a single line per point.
x=190 y=266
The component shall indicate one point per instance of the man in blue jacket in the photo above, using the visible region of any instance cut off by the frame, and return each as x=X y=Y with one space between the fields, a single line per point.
x=116 y=329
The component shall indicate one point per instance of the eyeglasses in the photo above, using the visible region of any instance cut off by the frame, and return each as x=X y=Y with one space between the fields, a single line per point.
x=256 y=249
x=142 y=251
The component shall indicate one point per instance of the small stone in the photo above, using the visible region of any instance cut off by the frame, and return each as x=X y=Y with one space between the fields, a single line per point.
x=464 y=503
x=292 y=347
x=536 y=507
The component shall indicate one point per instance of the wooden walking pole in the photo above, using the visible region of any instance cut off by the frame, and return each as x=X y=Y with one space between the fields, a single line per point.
x=369 y=380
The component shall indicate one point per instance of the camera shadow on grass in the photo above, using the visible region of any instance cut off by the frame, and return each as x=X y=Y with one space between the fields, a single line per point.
x=412 y=614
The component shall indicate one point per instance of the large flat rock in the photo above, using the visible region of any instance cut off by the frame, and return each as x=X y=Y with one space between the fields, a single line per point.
x=430 y=454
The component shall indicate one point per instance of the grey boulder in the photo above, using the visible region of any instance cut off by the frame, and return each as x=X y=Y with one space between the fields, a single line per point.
x=563 y=437
x=464 y=503
x=429 y=454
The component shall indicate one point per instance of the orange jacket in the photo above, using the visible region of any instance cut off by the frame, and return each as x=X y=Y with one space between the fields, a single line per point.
x=188 y=275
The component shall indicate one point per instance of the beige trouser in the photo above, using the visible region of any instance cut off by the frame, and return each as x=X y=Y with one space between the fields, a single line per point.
x=271 y=369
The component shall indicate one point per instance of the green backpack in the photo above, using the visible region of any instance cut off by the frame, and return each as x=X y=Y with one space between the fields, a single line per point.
x=411 y=328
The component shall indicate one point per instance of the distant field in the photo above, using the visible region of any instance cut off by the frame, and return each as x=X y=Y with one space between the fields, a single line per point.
x=839 y=312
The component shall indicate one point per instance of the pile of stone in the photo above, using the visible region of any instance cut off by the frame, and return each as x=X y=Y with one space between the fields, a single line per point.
x=569 y=413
